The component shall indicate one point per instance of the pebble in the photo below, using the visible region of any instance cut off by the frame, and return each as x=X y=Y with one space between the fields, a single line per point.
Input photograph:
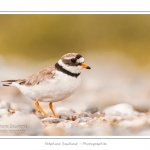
x=119 y=110
x=21 y=112
x=134 y=123
x=4 y=105
x=83 y=119
x=30 y=125
x=74 y=117
x=69 y=124
x=11 y=111
x=3 y=113
x=97 y=115
x=64 y=113
x=85 y=114
x=53 y=120
x=39 y=114
x=54 y=131
x=91 y=109
x=66 y=117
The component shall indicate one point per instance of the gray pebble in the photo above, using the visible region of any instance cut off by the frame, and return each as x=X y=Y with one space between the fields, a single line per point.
x=32 y=125
x=64 y=113
x=66 y=125
x=66 y=117
x=91 y=109
x=20 y=113
x=97 y=115
x=74 y=117
x=70 y=125
x=4 y=105
x=53 y=120
x=85 y=114
x=83 y=119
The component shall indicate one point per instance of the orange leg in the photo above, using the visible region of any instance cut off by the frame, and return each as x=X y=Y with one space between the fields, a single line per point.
x=51 y=107
x=40 y=109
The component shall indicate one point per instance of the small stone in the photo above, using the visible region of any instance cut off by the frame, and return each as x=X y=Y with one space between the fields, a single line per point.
x=73 y=118
x=83 y=123
x=64 y=117
x=91 y=109
x=113 y=122
x=97 y=115
x=65 y=124
x=11 y=111
x=3 y=113
x=39 y=114
x=53 y=120
x=70 y=124
x=46 y=123
x=104 y=120
x=4 y=105
x=77 y=124
x=85 y=114
x=54 y=131
x=135 y=124
x=21 y=112
x=83 y=119
x=64 y=113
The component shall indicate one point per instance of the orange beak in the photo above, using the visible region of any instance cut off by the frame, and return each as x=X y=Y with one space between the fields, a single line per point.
x=85 y=66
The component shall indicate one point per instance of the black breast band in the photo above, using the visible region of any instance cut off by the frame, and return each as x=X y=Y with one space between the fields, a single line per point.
x=60 y=68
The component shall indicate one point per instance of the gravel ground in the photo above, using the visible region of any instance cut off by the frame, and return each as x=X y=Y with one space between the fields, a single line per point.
x=120 y=119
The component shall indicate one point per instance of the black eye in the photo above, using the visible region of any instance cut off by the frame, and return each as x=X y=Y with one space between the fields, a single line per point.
x=73 y=60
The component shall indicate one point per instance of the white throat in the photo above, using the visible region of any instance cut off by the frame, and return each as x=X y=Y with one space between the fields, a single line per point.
x=72 y=69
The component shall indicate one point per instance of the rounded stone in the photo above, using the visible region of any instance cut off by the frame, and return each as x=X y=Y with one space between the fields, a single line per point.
x=91 y=109
x=83 y=119
x=4 y=105
x=54 y=131
x=64 y=113
x=119 y=110
x=3 y=112
x=53 y=120
x=65 y=124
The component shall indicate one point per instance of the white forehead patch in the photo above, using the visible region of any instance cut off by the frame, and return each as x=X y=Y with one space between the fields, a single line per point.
x=80 y=60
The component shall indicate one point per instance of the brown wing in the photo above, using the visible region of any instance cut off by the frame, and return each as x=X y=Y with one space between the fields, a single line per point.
x=35 y=78
x=39 y=76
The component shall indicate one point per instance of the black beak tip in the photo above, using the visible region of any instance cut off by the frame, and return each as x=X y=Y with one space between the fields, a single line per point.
x=88 y=67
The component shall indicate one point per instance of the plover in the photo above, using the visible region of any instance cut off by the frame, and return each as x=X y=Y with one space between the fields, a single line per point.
x=54 y=83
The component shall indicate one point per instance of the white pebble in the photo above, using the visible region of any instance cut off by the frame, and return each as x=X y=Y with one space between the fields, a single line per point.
x=23 y=125
x=137 y=122
x=3 y=112
x=119 y=110
x=4 y=105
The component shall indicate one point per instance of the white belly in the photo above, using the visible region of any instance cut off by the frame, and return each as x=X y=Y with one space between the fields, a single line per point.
x=53 y=89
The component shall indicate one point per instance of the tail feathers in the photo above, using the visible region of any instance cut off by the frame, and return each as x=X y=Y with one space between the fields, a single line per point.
x=10 y=81
x=7 y=82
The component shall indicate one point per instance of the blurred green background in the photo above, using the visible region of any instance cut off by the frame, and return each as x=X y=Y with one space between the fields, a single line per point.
x=42 y=37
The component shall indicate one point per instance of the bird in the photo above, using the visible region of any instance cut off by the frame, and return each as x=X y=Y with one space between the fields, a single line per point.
x=53 y=83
